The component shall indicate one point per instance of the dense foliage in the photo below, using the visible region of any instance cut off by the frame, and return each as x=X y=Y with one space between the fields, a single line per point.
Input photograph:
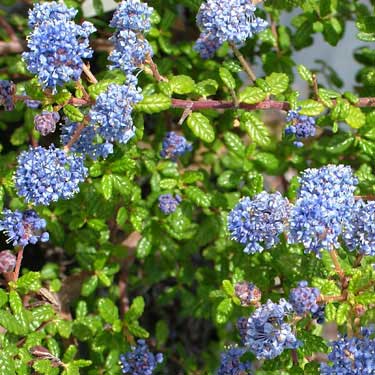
x=167 y=211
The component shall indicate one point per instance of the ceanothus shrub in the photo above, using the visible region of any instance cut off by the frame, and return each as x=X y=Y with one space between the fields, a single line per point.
x=165 y=210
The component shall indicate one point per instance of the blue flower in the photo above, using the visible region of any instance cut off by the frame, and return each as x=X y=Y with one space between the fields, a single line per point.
x=24 y=227
x=57 y=48
x=7 y=90
x=324 y=206
x=300 y=126
x=45 y=122
x=46 y=175
x=112 y=112
x=130 y=51
x=351 y=356
x=50 y=11
x=132 y=15
x=231 y=363
x=266 y=333
x=248 y=293
x=231 y=20
x=168 y=204
x=174 y=145
x=87 y=143
x=207 y=45
x=139 y=361
x=33 y=104
x=361 y=235
x=258 y=222
x=304 y=298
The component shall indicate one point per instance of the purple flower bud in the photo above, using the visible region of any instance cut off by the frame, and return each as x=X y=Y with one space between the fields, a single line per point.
x=45 y=123
x=248 y=293
x=7 y=90
x=168 y=204
x=7 y=261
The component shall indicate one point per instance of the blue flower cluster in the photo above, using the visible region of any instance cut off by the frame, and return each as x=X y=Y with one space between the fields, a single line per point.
x=45 y=122
x=258 y=222
x=7 y=261
x=248 y=293
x=131 y=19
x=361 y=235
x=24 y=227
x=86 y=143
x=300 y=126
x=45 y=175
x=33 y=104
x=323 y=210
x=221 y=21
x=7 y=90
x=266 y=333
x=174 y=145
x=231 y=364
x=112 y=112
x=352 y=356
x=304 y=299
x=57 y=45
x=140 y=361
x=168 y=203
x=49 y=12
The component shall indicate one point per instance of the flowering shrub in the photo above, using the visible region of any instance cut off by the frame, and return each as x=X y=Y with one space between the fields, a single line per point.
x=165 y=210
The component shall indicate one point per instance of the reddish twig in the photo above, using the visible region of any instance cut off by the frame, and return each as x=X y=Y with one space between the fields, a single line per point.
x=17 y=269
x=90 y=77
x=337 y=264
x=75 y=136
x=245 y=64
x=154 y=69
x=276 y=36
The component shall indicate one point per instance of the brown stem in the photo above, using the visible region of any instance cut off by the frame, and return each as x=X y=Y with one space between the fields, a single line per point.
x=16 y=272
x=90 y=77
x=337 y=264
x=154 y=69
x=358 y=260
x=294 y=356
x=315 y=86
x=327 y=299
x=244 y=62
x=275 y=35
x=8 y=29
x=75 y=136
x=365 y=197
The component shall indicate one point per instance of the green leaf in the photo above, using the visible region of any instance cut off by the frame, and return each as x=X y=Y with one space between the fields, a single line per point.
x=161 y=332
x=252 y=95
x=224 y=310
x=154 y=103
x=227 y=78
x=62 y=97
x=342 y=313
x=201 y=127
x=144 y=247
x=198 y=196
x=73 y=113
x=310 y=107
x=168 y=183
x=136 y=330
x=228 y=288
x=356 y=118
x=278 y=82
x=366 y=298
x=325 y=98
x=30 y=282
x=136 y=309
x=234 y=143
x=305 y=73
x=182 y=84
x=206 y=88
x=108 y=310
x=89 y=285
x=256 y=129
x=11 y=323
x=122 y=216
x=107 y=186
x=330 y=312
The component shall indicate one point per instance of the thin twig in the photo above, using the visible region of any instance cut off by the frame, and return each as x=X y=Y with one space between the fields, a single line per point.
x=315 y=86
x=294 y=356
x=365 y=197
x=75 y=136
x=154 y=69
x=245 y=64
x=358 y=260
x=17 y=269
x=90 y=77
x=8 y=29
x=275 y=35
x=337 y=264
